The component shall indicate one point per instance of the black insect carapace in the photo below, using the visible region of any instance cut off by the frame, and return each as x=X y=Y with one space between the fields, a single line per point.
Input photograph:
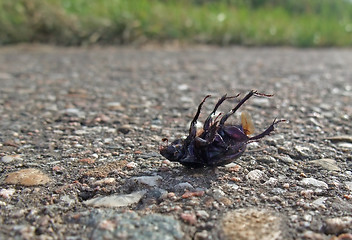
x=216 y=144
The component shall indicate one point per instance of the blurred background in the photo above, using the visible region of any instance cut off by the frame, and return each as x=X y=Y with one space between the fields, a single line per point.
x=301 y=23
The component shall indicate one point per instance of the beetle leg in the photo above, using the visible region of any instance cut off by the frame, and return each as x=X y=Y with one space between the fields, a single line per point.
x=193 y=129
x=248 y=96
x=208 y=138
x=268 y=130
x=209 y=118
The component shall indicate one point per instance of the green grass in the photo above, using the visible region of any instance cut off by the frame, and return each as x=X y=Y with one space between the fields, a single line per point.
x=302 y=23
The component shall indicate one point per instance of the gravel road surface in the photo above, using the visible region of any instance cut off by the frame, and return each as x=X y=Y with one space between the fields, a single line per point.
x=80 y=130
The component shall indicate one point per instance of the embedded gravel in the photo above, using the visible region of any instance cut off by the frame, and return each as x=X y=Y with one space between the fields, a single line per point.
x=80 y=130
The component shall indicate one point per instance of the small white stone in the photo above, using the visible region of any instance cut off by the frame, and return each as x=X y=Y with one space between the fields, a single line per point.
x=116 y=200
x=271 y=182
x=183 y=87
x=233 y=186
x=183 y=186
x=131 y=165
x=10 y=158
x=115 y=106
x=348 y=185
x=345 y=145
x=320 y=202
x=202 y=214
x=7 y=193
x=151 y=181
x=256 y=175
x=104 y=181
x=313 y=182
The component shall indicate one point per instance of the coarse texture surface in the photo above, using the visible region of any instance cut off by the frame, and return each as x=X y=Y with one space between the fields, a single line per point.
x=91 y=120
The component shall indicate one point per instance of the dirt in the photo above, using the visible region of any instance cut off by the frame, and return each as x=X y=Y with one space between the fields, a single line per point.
x=92 y=120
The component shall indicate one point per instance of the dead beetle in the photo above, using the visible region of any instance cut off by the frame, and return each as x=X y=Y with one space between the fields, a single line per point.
x=216 y=144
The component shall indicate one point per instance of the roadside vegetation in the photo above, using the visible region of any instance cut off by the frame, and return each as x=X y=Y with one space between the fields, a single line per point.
x=302 y=23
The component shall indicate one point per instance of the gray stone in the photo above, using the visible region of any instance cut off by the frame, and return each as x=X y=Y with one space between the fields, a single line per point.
x=116 y=200
x=342 y=138
x=183 y=186
x=115 y=106
x=313 y=182
x=302 y=151
x=286 y=159
x=133 y=227
x=326 y=163
x=74 y=112
x=151 y=181
x=348 y=185
x=319 y=202
x=345 y=145
x=10 y=158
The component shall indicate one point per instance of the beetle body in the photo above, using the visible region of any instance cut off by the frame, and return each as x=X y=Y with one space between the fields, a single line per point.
x=217 y=144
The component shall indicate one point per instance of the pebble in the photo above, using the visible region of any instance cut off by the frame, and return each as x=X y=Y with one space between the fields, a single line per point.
x=256 y=175
x=344 y=236
x=261 y=102
x=319 y=202
x=116 y=200
x=348 y=185
x=202 y=214
x=302 y=150
x=115 y=106
x=251 y=224
x=218 y=194
x=342 y=138
x=7 y=193
x=68 y=200
x=189 y=218
x=126 y=128
x=266 y=159
x=10 y=158
x=345 y=145
x=134 y=227
x=310 y=235
x=313 y=182
x=27 y=177
x=286 y=159
x=151 y=181
x=183 y=186
x=74 y=112
x=105 y=181
x=271 y=182
x=189 y=194
x=4 y=75
x=326 y=163
x=203 y=235
x=183 y=87
x=232 y=186
x=131 y=165
x=337 y=225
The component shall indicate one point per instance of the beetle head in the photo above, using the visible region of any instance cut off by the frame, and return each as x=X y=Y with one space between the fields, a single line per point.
x=173 y=151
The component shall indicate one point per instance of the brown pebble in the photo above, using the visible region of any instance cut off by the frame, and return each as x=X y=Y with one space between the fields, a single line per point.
x=189 y=218
x=189 y=194
x=344 y=236
x=87 y=160
x=251 y=224
x=27 y=177
x=226 y=201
